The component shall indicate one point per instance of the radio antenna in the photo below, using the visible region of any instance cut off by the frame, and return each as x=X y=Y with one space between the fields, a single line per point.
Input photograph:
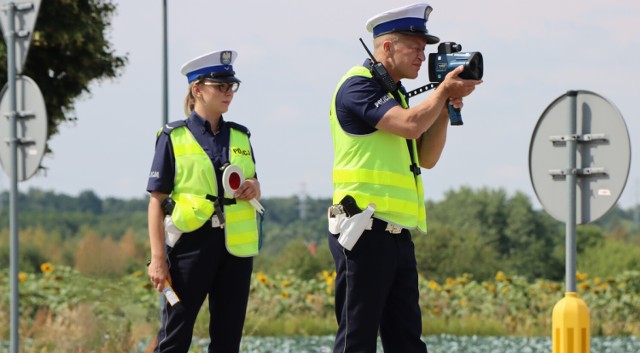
x=368 y=51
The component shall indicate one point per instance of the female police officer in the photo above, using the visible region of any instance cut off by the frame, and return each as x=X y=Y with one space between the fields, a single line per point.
x=211 y=235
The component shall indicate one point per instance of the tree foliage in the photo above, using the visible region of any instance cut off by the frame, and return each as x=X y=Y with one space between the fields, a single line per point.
x=70 y=49
x=445 y=253
x=610 y=259
x=475 y=232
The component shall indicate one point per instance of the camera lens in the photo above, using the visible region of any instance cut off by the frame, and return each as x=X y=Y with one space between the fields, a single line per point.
x=473 y=68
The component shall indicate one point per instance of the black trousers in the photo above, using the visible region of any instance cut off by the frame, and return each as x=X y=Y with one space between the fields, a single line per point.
x=201 y=266
x=377 y=291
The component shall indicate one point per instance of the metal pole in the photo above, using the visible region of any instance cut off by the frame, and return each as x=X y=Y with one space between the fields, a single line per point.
x=165 y=104
x=165 y=94
x=13 y=198
x=571 y=188
x=636 y=209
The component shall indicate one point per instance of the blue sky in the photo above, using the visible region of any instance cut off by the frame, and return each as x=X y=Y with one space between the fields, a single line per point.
x=291 y=55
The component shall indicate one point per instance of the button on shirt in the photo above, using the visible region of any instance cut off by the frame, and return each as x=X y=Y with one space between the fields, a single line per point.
x=216 y=146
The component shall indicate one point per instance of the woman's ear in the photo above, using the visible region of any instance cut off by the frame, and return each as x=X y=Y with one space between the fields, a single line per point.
x=195 y=90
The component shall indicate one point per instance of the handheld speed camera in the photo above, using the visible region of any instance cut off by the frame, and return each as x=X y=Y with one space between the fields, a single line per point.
x=449 y=57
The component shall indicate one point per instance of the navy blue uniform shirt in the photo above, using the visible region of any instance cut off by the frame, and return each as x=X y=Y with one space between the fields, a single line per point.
x=361 y=102
x=216 y=146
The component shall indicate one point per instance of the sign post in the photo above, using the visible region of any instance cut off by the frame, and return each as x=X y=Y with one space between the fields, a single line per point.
x=580 y=149
x=23 y=15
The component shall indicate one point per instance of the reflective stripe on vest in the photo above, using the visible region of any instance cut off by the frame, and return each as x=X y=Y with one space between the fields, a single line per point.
x=195 y=179
x=376 y=168
x=242 y=237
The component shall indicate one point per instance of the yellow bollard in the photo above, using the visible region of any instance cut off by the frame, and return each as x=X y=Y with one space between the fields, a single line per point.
x=570 y=325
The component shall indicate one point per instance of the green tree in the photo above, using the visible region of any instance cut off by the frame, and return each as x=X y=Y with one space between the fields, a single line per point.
x=70 y=50
x=304 y=259
x=532 y=243
x=588 y=236
x=467 y=210
x=609 y=259
x=522 y=240
x=445 y=252
x=90 y=202
x=471 y=231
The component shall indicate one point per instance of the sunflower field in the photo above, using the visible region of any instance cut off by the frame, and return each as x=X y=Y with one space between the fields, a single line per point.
x=62 y=310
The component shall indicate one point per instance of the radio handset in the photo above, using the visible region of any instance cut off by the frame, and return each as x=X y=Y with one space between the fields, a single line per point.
x=380 y=73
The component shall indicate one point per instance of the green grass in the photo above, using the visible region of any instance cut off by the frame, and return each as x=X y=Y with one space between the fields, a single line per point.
x=462 y=327
x=291 y=326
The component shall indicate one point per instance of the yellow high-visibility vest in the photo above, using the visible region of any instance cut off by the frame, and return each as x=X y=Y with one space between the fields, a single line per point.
x=376 y=168
x=195 y=186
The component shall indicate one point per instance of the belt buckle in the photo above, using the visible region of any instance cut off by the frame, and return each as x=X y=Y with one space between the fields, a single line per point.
x=393 y=229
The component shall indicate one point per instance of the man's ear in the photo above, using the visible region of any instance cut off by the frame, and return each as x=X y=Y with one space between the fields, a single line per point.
x=387 y=47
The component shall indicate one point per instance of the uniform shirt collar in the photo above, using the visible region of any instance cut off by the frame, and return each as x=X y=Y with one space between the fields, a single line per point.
x=201 y=124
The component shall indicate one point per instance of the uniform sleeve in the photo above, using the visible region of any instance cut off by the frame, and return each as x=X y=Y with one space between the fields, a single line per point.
x=360 y=104
x=162 y=172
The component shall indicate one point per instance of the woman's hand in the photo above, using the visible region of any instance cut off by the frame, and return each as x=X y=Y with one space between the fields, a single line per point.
x=159 y=273
x=250 y=189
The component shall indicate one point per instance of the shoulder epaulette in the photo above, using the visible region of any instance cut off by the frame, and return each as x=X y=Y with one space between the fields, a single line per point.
x=239 y=127
x=172 y=125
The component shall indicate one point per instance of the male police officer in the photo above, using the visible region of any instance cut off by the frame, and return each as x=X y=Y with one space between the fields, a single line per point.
x=379 y=146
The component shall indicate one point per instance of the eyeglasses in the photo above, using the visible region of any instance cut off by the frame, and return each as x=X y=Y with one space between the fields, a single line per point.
x=223 y=87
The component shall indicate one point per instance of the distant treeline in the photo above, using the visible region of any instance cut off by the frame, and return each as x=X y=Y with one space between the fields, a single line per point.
x=478 y=232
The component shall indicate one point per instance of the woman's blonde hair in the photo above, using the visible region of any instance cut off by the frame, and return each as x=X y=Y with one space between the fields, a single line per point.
x=190 y=100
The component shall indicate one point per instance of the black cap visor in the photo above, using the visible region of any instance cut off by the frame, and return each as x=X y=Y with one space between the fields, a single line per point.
x=431 y=39
x=226 y=77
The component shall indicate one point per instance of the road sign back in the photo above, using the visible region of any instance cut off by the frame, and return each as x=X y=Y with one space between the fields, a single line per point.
x=603 y=157
x=32 y=127
x=26 y=13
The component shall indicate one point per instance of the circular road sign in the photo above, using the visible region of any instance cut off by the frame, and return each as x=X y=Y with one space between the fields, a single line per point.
x=603 y=156
x=31 y=127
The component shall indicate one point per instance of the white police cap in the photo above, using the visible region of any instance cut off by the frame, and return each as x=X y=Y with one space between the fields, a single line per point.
x=410 y=19
x=216 y=66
